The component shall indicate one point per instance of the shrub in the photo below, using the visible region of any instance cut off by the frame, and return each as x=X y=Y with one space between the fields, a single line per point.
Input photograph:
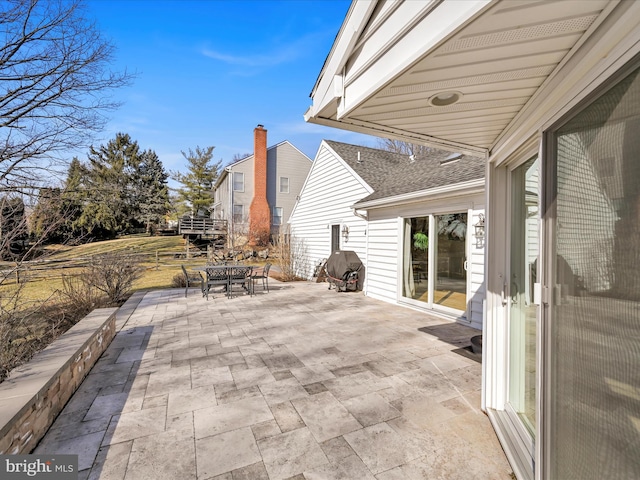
x=178 y=281
x=26 y=327
x=80 y=297
x=292 y=258
x=114 y=275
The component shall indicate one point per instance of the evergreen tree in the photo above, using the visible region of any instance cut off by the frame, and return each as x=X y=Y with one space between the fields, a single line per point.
x=74 y=197
x=152 y=190
x=13 y=227
x=110 y=206
x=46 y=221
x=56 y=213
x=197 y=189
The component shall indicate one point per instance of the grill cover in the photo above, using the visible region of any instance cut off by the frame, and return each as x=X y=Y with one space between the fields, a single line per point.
x=340 y=264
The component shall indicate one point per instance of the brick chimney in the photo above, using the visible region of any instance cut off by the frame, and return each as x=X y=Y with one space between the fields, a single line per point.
x=259 y=211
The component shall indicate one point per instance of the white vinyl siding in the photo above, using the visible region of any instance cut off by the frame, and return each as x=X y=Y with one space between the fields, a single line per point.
x=330 y=190
x=385 y=246
x=475 y=272
x=326 y=199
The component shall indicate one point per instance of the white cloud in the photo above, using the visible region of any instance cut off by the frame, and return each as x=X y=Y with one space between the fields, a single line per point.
x=284 y=54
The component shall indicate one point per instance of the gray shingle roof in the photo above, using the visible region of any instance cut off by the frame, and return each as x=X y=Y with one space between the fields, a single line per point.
x=391 y=174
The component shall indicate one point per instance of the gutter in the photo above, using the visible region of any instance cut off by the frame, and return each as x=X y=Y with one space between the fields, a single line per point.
x=463 y=188
x=364 y=216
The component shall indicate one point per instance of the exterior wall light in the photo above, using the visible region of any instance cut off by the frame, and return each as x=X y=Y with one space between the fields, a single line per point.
x=479 y=231
x=444 y=99
x=345 y=232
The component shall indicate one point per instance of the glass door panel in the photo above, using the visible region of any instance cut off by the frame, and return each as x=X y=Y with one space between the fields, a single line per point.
x=415 y=268
x=335 y=238
x=594 y=378
x=450 y=286
x=524 y=249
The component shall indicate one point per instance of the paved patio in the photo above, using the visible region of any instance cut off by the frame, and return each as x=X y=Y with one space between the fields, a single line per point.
x=299 y=383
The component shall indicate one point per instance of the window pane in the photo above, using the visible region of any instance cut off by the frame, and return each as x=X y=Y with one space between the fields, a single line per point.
x=525 y=225
x=415 y=282
x=284 y=184
x=277 y=215
x=238 y=214
x=595 y=322
x=450 y=288
x=238 y=182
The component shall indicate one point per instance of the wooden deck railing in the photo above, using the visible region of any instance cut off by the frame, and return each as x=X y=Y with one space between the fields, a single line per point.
x=202 y=226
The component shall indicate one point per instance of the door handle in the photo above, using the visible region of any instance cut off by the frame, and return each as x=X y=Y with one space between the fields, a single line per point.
x=465 y=265
x=504 y=296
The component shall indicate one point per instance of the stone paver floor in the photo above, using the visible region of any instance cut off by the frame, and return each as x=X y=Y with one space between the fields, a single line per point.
x=299 y=383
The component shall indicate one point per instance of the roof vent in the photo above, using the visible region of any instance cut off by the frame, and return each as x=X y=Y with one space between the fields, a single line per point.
x=359 y=161
x=412 y=158
x=451 y=159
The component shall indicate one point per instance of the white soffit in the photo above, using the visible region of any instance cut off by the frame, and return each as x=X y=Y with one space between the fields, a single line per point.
x=497 y=61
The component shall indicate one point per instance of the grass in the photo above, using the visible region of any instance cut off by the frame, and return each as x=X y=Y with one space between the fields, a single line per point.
x=161 y=262
x=33 y=313
x=130 y=244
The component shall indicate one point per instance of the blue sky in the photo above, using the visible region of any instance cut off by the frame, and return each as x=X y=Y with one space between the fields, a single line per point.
x=209 y=71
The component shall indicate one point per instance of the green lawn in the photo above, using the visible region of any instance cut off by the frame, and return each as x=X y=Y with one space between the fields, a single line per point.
x=161 y=261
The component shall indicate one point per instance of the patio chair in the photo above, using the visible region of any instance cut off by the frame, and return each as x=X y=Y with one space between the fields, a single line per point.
x=264 y=275
x=240 y=275
x=216 y=277
x=191 y=279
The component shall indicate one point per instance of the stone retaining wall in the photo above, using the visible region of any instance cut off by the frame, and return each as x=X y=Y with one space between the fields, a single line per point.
x=35 y=393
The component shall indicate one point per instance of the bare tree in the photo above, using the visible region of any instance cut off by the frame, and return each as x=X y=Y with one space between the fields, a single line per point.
x=292 y=256
x=55 y=77
x=55 y=86
x=404 y=148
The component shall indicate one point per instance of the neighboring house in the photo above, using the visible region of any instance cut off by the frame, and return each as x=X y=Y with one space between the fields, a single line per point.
x=378 y=204
x=549 y=94
x=267 y=182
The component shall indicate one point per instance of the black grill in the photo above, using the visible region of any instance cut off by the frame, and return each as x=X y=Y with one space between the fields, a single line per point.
x=345 y=271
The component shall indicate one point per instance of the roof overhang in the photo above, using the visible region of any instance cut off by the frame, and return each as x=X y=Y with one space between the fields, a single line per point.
x=454 y=190
x=394 y=64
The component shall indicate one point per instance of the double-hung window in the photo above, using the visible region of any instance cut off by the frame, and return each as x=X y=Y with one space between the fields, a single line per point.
x=277 y=216
x=284 y=184
x=238 y=214
x=238 y=182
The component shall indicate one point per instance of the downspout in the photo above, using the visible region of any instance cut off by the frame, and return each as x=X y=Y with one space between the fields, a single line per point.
x=365 y=217
x=230 y=210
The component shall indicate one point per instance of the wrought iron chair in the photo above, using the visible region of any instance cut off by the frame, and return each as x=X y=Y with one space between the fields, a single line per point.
x=240 y=275
x=191 y=279
x=264 y=275
x=216 y=277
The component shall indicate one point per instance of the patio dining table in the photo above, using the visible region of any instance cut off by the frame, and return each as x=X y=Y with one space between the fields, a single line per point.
x=226 y=276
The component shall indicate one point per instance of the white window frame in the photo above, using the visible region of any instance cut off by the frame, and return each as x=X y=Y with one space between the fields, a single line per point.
x=288 y=185
x=234 y=214
x=274 y=215
x=233 y=180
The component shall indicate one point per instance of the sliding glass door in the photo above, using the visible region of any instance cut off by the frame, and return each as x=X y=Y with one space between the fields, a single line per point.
x=434 y=261
x=594 y=319
x=415 y=271
x=522 y=311
x=450 y=281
